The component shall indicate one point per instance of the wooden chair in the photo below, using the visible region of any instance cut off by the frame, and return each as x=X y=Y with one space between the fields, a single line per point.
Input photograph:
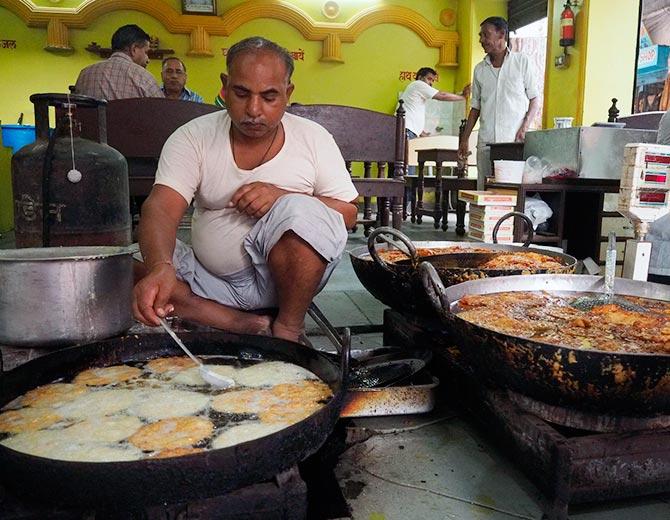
x=371 y=138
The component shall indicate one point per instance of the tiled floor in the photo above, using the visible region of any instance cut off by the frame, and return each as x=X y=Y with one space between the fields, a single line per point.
x=435 y=466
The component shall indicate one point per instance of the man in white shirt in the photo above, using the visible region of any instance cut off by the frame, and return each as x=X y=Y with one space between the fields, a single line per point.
x=273 y=201
x=505 y=96
x=414 y=102
x=415 y=96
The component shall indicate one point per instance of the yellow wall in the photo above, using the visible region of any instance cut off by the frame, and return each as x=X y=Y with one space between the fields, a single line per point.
x=562 y=93
x=369 y=76
x=610 y=62
x=602 y=62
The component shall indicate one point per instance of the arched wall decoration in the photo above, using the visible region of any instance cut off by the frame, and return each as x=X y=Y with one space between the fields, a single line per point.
x=332 y=35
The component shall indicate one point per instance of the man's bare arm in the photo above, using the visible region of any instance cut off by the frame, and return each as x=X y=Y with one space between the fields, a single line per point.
x=533 y=107
x=348 y=210
x=463 y=144
x=256 y=198
x=157 y=231
x=448 y=96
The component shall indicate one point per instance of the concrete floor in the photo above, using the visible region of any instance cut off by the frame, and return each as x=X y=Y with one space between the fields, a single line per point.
x=439 y=465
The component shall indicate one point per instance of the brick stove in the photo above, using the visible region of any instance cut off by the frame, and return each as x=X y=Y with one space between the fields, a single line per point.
x=570 y=464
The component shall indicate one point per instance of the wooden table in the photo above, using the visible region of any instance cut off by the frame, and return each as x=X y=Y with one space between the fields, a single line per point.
x=577 y=206
x=437 y=155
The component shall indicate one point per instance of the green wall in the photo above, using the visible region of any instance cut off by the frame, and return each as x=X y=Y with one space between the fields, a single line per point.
x=368 y=78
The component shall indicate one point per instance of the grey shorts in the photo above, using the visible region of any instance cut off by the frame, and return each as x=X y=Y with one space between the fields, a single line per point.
x=253 y=288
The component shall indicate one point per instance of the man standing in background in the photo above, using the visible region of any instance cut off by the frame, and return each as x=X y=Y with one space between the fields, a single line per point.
x=504 y=96
x=122 y=75
x=174 y=78
x=414 y=102
x=415 y=96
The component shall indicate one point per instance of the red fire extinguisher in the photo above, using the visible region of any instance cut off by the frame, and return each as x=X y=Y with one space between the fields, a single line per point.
x=567 y=26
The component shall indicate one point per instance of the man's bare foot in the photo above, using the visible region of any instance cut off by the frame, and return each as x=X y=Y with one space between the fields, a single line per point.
x=282 y=331
x=255 y=324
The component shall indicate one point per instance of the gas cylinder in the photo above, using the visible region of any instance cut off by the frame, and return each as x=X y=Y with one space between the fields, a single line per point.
x=82 y=183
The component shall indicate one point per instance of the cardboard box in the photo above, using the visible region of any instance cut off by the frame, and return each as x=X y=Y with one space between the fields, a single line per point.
x=489 y=213
x=487 y=226
x=483 y=237
x=488 y=198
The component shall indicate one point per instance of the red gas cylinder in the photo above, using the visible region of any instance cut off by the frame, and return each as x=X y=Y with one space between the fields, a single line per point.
x=83 y=183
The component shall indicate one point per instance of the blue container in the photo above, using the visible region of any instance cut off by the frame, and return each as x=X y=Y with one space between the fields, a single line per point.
x=17 y=136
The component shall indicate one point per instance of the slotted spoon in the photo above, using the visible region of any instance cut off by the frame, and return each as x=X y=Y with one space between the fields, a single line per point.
x=587 y=303
x=207 y=374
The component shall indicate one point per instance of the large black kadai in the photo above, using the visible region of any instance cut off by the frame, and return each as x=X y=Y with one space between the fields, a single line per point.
x=134 y=485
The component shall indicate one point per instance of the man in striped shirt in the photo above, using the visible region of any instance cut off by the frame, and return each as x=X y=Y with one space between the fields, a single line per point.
x=174 y=77
x=123 y=74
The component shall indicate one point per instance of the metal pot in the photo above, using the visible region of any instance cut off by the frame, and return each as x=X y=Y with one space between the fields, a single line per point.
x=585 y=379
x=64 y=295
x=398 y=284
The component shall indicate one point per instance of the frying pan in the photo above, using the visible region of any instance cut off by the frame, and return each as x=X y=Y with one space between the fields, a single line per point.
x=399 y=285
x=620 y=383
x=133 y=484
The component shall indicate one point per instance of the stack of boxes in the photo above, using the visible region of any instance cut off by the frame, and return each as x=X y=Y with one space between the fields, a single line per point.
x=644 y=193
x=486 y=208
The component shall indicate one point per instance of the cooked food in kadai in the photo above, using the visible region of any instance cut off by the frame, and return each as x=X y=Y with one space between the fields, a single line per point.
x=158 y=409
x=551 y=318
x=502 y=259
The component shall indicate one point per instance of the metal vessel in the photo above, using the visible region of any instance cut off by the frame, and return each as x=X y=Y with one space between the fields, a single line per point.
x=619 y=382
x=83 y=183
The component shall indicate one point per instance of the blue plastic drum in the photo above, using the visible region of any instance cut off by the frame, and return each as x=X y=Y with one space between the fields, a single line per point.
x=17 y=136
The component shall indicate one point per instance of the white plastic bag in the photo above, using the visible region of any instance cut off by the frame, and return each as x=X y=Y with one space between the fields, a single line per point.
x=537 y=210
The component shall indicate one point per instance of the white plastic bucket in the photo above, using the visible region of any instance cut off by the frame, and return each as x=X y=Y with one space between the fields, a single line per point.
x=563 y=122
x=509 y=171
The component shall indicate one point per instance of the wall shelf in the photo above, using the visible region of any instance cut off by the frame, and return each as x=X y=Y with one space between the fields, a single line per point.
x=105 y=52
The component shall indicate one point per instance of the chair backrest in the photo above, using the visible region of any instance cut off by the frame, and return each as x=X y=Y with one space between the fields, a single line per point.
x=372 y=138
x=138 y=128
x=362 y=135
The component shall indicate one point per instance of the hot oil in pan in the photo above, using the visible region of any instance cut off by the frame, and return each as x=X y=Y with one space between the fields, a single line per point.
x=549 y=317
x=291 y=385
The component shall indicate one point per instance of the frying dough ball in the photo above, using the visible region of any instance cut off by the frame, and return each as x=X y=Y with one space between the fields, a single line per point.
x=103 y=429
x=244 y=432
x=176 y=452
x=271 y=373
x=52 y=395
x=176 y=432
x=155 y=404
x=53 y=444
x=107 y=375
x=97 y=403
x=244 y=401
x=27 y=420
x=169 y=364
